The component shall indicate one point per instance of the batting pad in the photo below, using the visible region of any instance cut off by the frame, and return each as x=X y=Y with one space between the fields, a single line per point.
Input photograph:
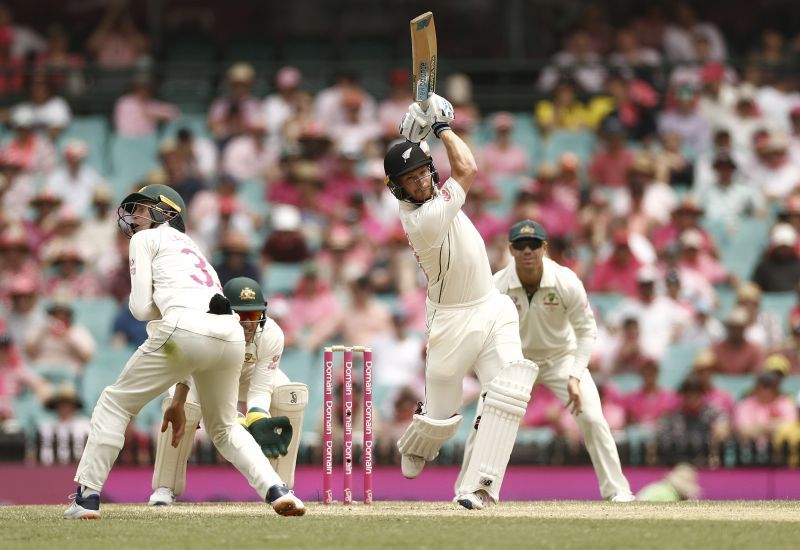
x=425 y=436
x=503 y=407
x=289 y=400
x=170 y=467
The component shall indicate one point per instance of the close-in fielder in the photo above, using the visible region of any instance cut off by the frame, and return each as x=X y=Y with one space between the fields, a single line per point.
x=275 y=405
x=558 y=331
x=470 y=324
x=193 y=337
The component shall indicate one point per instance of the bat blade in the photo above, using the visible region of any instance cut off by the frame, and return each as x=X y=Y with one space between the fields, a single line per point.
x=423 y=54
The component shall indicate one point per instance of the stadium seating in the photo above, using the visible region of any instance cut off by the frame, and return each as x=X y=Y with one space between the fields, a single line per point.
x=94 y=131
x=281 y=278
x=97 y=314
x=132 y=158
x=737 y=385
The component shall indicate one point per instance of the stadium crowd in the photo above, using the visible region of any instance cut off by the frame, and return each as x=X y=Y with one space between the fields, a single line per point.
x=667 y=176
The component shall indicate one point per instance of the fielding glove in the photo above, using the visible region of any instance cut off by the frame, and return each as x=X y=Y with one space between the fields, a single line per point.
x=440 y=114
x=273 y=435
x=414 y=126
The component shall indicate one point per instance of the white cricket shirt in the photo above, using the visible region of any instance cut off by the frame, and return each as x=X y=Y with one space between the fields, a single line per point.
x=557 y=320
x=448 y=248
x=168 y=271
x=262 y=357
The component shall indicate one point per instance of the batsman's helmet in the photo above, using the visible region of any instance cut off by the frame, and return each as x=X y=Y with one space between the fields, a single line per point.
x=168 y=208
x=402 y=159
x=245 y=294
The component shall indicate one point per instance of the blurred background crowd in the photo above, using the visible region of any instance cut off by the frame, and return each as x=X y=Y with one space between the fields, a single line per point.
x=659 y=145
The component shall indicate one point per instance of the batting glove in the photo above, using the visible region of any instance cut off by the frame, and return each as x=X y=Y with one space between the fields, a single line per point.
x=414 y=126
x=440 y=114
x=273 y=435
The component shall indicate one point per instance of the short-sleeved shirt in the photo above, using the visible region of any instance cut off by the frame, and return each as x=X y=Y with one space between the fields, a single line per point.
x=448 y=247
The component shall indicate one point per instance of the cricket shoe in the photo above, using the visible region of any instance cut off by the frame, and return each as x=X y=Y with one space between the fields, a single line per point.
x=81 y=507
x=411 y=465
x=475 y=501
x=163 y=496
x=284 y=502
x=623 y=497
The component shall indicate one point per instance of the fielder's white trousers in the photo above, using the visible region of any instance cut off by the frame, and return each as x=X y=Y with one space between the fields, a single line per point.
x=482 y=336
x=208 y=347
x=554 y=373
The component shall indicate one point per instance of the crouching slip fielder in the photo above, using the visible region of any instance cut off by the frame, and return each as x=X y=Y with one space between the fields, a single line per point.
x=262 y=385
x=470 y=324
x=558 y=331
x=172 y=287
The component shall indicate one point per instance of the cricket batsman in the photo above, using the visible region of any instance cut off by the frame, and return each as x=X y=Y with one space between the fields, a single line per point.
x=194 y=339
x=275 y=405
x=470 y=324
x=558 y=332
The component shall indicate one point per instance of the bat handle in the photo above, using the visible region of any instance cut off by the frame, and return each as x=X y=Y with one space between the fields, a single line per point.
x=424 y=105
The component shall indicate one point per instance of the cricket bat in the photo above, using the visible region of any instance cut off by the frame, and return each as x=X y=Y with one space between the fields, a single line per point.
x=423 y=54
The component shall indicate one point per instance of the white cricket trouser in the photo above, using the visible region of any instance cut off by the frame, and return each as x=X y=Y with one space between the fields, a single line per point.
x=483 y=337
x=554 y=374
x=208 y=347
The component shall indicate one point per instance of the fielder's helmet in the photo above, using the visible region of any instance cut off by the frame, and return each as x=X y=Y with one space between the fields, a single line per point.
x=401 y=159
x=245 y=294
x=168 y=208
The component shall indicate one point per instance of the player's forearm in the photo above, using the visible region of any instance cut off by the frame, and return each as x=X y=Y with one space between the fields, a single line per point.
x=463 y=168
x=181 y=392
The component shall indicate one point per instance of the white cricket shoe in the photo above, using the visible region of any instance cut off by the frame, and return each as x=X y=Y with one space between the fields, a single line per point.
x=284 y=502
x=623 y=497
x=475 y=501
x=411 y=465
x=83 y=507
x=162 y=496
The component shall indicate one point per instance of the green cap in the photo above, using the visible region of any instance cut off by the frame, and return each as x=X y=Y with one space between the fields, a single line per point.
x=165 y=197
x=244 y=294
x=527 y=229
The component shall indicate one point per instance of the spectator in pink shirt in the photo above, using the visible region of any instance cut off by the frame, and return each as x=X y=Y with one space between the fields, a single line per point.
x=316 y=310
x=116 y=43
x=392 y=109
x=488 y=224
x=685 y=216
x=17 y=262
x=694 y=258
x=14 y=377
x=502 y=157
x=624 y=352
x=757 y=417
x=343 y=257
x=544 y=410
x=648 y=404
x=137 y=114
x=248 y=156
x=617 y=273
x=366 y=318
x=734 y=354
x=229 y=115
x=60 y=342
x=610 y=164
x=32 y=152
x=704 y=366
x=555 y=212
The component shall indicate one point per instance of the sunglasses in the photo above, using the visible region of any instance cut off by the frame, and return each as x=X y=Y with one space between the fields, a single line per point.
x=522 y=244
x=250 y=316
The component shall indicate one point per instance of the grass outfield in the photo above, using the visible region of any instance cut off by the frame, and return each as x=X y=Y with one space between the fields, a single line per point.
x=551 y=524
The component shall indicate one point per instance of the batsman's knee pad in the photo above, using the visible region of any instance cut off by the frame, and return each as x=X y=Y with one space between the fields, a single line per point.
x=170 y=466
x=289 y=400
x=504 y=405
x=425 y=436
